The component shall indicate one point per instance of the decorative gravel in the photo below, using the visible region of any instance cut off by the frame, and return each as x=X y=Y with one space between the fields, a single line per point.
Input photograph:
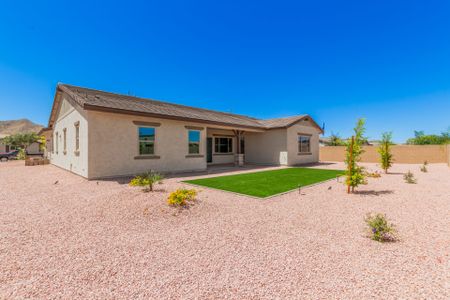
x=80 y=239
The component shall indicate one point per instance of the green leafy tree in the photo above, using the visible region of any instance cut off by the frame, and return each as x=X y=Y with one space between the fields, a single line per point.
x=355 y=174
x=386 y=157
x=420 y=138
x=335 y=140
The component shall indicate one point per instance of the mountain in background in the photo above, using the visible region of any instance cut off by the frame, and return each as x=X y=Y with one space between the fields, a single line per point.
x=18 y=126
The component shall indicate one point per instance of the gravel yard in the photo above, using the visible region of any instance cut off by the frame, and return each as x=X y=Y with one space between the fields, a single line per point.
x=104 y=239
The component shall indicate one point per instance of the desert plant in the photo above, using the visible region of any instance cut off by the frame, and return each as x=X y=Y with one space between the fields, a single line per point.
x=147 y=180
x=386 y=157
x=409 y=177
x=423 y=168
x=21 y=155
x=181 y=197
x=355 y=174
x=373 y=174
x=381 y=230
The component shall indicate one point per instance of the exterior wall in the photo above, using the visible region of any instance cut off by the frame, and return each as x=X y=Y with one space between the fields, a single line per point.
x=76 y=163
x=34 y=149
x=305 y=127
x=267 y=148
x=406 y=154
x=218 y=158
x=2 y=147
x=114 y=146
x=448 y=155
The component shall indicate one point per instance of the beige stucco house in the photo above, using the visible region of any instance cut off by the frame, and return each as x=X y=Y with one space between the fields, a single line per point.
x=97 y=134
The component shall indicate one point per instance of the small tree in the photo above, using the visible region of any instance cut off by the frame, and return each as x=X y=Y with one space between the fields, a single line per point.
x=355 y=173
x=335 y=140
x=386 y=156
x=147 y=180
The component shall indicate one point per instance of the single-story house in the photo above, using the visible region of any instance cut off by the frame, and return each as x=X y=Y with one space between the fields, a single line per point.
x=97 y=134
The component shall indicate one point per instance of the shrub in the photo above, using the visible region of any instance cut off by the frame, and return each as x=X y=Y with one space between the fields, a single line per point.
x=373 y=174
x=409 y=177
x=386 y=157
x=424 y=168
x=21 y=155
x=380 y=229
x=147 y=180
x=181 y=197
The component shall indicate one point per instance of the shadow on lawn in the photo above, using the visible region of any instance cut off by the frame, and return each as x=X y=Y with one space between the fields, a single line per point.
x=374 y=193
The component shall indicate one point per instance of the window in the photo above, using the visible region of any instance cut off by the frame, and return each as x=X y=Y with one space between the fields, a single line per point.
x=304 y=145
x=146 y=140
x=194 y=141
x=223 y=145
x=65 y=140
x=56 y=141
x=77 y=137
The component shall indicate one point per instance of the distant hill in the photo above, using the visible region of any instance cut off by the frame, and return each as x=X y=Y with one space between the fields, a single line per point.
x=18 y=126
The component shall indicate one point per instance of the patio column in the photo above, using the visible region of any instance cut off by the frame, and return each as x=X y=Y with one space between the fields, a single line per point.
x=239 y=159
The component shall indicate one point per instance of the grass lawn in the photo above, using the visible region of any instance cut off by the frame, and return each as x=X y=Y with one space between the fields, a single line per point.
x=267 y=183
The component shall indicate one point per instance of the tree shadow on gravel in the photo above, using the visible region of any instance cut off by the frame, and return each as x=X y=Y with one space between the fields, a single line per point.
x=374 y=193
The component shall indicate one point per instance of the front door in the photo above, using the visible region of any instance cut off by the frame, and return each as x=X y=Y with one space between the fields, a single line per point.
x=209 y=146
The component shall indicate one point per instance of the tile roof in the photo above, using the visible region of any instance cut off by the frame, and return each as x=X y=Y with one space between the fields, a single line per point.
x=91 y=99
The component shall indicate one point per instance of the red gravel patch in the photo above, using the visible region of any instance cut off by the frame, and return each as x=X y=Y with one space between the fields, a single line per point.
x=81 y=239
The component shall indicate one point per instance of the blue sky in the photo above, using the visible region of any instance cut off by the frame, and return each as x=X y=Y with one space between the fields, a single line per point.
x=387 y=61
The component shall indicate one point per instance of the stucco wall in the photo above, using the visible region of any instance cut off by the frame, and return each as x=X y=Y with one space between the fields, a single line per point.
x=67 y=117
x=267 y=148
x=305 y=127
x=113 y=146
x=410 y=154
x=448 y=155
x=34 y=149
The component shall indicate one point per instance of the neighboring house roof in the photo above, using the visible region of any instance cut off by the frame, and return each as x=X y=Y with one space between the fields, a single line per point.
x=104 y=101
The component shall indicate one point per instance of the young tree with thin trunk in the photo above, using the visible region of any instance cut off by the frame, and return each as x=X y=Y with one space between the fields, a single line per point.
x=355 y=173
x=386 y=157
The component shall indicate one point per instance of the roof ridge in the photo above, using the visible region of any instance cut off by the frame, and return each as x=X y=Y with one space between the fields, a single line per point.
x=136 y=98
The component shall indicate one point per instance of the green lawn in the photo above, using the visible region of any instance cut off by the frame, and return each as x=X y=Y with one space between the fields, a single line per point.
x=267 y=183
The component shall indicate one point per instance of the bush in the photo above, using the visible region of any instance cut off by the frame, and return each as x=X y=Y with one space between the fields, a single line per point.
x=380 y=229
x=21 y=155
x=147 y=180
x=424 y=168
x=181 y=197
x=409 y=177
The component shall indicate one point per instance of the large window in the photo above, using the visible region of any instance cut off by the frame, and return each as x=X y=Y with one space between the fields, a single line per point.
x=304 y=144
x=194 y=141
x=146 y=140
x=223 y=145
